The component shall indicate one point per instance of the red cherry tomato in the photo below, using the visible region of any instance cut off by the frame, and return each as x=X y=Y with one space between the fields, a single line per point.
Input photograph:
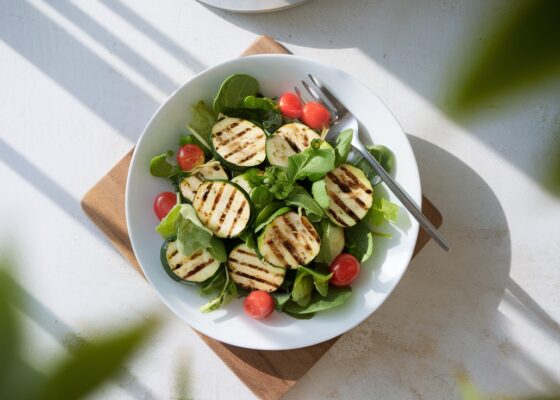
x=190 y=156
x=315 y=115
x=258 y=304
x=163 y=203
x=290 y=105
x=345 y=269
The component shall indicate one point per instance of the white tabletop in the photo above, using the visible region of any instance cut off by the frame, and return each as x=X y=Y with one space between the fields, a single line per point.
x=80 y=79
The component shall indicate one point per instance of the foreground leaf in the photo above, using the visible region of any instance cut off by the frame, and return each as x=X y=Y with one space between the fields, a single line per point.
x=93 y=363
x=522 y=51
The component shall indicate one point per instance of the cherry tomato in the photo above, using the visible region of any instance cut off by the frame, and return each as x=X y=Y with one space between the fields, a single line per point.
x=345 y=269
x=315 y=115
x=258 y=304
x=190 y=156
x=163 y=203
x=290 y=105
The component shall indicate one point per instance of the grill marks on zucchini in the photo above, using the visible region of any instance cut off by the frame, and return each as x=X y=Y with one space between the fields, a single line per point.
x=222 y=208
x=239 y=142
x=197 y=267
x=289 y=241
x=252 y=273
x=350 y=193
x=209 y=171
x=288 y=140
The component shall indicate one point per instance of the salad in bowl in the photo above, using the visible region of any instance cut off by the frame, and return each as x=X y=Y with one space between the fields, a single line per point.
x=260 y=207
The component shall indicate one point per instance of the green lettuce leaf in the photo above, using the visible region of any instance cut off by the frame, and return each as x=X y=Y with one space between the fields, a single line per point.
x=359 y=241
x=233 y=92
x=335 y=298
x=161 y=167
x=300 y=198
x=383 y=210
x=343 y=146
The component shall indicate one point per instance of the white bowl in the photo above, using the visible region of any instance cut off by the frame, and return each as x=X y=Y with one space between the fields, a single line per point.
x=379 y=276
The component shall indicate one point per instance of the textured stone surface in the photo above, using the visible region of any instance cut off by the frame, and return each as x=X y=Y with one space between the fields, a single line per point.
x=80 y=80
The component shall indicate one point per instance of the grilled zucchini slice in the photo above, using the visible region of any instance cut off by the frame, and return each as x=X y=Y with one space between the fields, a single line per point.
x=252 y=273
x=289 y=241
x=238 y=143
x=223 y=207
x=350 y=194
x=198 y=267
x=288 y=140
x=210 y=171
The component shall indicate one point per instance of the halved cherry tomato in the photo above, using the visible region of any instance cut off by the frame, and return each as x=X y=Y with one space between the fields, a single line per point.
x=345 y=269
x=163 y=203
x=315 y=115
x=290 y=105
x=190 y=156
x=258 y=304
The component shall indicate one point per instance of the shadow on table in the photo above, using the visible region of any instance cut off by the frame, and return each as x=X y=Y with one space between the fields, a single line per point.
x=421 y=45
x=75 y=66
x=443 y=317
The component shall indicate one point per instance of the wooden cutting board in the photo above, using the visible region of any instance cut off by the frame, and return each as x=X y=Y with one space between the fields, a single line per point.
x=268 y=374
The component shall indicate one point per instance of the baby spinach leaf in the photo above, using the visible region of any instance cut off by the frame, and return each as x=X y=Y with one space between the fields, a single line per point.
x=319 y=191
x=336 y=297
x=228 y=292
x=383 y=210
x=261 y=197
x=312 y=163
x=359 y=241
x=161 y=167
x=343 y=146
x=250 y=241
x=191 y=237
x=213 y=284
x=280 y=298
x=302 y=289
x=296 y=316
x=300 y=198
x=268 y=214
x=262 y=103
x=233 y=92
x=168 y=225
x=383 y=155
x=320 y=280
x=217 y=249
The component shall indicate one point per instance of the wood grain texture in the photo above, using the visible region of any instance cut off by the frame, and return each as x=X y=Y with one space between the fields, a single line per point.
x=268 y=374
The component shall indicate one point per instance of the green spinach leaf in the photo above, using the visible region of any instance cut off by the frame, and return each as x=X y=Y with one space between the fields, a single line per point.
x=359 y=241
x=233 y=92
x=261 y=197
x=161 y=167
x=312 y=163
x=343 y=146
x=320 y=280
x=300 y=198
x=335 y=298
x=262 y=103
x=168 y=225
x=280 y=298
x=268 y=214
x=302 y=289
x=383 y=210
x=228 y=292
x=383 y=155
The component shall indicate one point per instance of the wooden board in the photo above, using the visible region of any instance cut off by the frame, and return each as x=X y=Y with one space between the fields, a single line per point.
x=268 y=374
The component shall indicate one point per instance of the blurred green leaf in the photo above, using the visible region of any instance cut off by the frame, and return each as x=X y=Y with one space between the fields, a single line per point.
x=9 y=325
x=93 y=363
x=523 y=50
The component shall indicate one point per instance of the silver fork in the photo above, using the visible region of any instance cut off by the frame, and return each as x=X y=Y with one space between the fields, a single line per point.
x=343 y=119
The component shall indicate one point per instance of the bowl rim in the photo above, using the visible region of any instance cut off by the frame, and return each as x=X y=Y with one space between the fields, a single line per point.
x=413 y=230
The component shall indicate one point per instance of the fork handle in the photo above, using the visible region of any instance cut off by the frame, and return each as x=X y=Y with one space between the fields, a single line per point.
x=404 y=197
